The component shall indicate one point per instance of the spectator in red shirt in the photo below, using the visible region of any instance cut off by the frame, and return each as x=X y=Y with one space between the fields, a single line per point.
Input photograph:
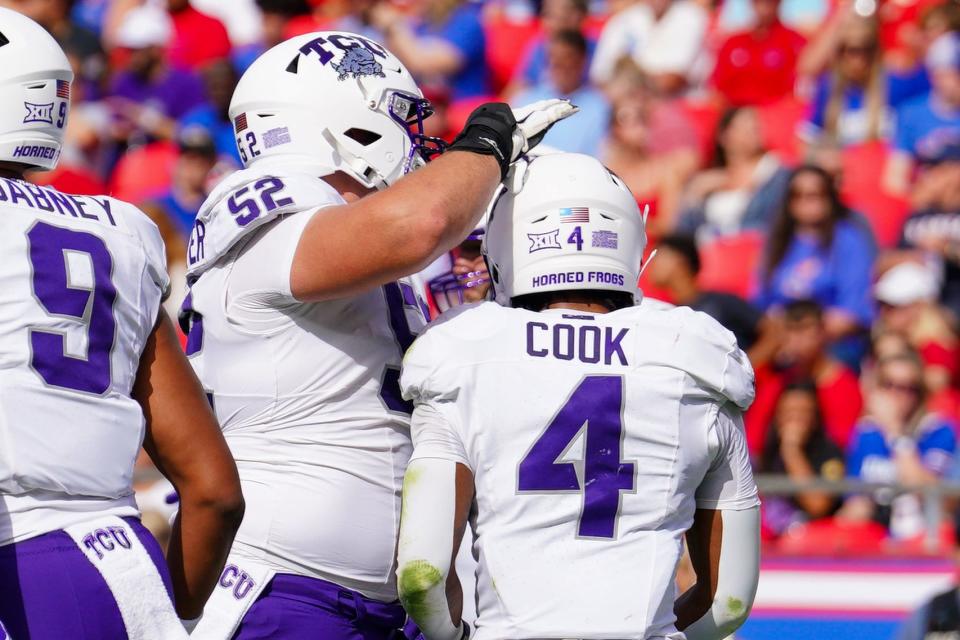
x=804 y=355
x=758 y=66
x=198 y=39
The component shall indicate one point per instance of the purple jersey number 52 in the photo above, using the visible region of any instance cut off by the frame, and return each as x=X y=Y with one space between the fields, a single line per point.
x=596 y=405
x=52 y=287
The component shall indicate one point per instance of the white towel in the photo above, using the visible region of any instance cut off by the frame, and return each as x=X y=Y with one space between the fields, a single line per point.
x=239 y=587
x=113 y=547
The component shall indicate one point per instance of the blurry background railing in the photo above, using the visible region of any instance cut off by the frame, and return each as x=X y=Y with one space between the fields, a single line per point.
x=933 y=496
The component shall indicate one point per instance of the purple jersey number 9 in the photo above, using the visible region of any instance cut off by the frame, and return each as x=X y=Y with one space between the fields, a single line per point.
x=57 y=291
x=596 y=406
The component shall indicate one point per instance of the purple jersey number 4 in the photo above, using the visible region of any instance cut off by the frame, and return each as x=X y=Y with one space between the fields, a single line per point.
x=596 y=407
x=60 y=295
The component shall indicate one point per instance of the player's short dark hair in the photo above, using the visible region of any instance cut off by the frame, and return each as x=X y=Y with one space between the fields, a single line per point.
x=797 y=310
x=612 y=300
x=571 y=38
x=684 y=245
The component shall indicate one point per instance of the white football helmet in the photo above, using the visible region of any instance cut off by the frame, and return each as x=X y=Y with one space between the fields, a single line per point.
x=35 y=78
x=562 y=222
x=333 y=101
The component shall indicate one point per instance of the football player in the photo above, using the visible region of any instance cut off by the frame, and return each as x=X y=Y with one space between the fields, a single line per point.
x=302 y=307
x=90 y=369
x=582 y=431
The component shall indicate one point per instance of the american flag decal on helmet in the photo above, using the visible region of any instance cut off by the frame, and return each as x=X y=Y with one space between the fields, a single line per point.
x=575 y=214
x=63 y=89
x=240 y=122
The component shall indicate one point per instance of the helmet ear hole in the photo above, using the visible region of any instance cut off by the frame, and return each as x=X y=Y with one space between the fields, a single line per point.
x=4 y=40
x=363 y=136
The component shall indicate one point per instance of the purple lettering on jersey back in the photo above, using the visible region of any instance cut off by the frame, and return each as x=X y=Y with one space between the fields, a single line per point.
x=81 y=206
x=107 y=208
x=531 y=349
x=563 y=347
x=40 y=197
x=613 y=347
x=589 y=339
x=596 y=406
x=62 y=203
x=52 y=287
x=16 y=193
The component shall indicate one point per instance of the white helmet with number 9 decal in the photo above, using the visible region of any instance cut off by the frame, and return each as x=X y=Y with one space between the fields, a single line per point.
x=35 y=78
x=564 y=222
x=333 y=101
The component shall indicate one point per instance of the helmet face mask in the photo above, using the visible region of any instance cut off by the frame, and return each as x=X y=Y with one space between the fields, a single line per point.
x=410 y=112
x=455 y=289
x=333 y=101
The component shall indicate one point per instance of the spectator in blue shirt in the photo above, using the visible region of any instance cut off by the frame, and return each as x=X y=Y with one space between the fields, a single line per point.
x=854 y=100
x=220 y=80
x=898 y=442
x=566 y=78
x=188 y=188
x=555 y=16
x=818 y=250
x=928 y=128
x=445 y=42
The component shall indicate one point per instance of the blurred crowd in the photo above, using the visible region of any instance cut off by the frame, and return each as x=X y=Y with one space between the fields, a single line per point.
x=799 y=159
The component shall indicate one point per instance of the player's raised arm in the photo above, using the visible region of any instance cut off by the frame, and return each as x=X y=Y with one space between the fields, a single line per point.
x=724 y=541
x=400 y=230
x=185 y=443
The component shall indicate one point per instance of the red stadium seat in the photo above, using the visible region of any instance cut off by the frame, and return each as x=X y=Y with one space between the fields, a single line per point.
x=730 y=264
x=830 y=537
x=860 y=189
x=144 y=172
x=779 y=123
x=68 y=179
x=507 y=41
x=704 y=116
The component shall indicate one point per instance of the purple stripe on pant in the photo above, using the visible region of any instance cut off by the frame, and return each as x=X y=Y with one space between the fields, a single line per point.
x=295 y=607
x=50 y=591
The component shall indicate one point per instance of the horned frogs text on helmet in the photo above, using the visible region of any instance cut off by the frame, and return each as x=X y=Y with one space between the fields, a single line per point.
x=35 y=78
x=564 y=222
x=334 y=101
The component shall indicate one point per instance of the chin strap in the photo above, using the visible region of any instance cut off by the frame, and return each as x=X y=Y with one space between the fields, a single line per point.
x=646 y=263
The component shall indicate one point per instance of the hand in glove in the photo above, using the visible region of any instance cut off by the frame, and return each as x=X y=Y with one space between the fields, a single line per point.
x=497 y=130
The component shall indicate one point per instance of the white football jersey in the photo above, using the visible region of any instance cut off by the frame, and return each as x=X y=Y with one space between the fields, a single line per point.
x=307 y=394
x=80 y=287
x=592 y=440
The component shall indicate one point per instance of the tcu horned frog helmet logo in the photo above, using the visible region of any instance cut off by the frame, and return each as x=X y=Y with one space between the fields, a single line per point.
x=358 y=59
x=358 y=62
